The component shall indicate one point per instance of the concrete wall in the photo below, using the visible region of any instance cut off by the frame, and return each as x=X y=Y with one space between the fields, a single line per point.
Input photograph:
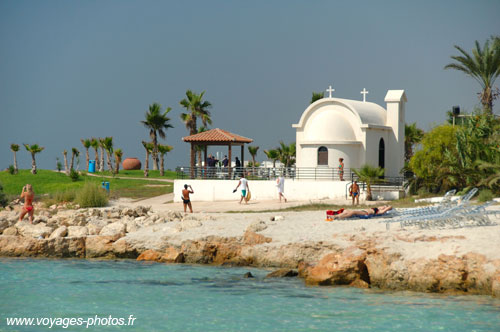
x=302 y=190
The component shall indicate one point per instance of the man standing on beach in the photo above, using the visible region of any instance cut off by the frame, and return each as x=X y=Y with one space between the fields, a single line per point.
x=244 y=187
x=186 y=200
x=354 y=192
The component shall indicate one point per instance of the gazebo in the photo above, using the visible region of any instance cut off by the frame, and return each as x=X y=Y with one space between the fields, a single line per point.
x=216 y=137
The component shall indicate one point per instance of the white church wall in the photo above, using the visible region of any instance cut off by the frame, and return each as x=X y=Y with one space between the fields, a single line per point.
x=350 y=152
x=297 y=190
x=222 y=190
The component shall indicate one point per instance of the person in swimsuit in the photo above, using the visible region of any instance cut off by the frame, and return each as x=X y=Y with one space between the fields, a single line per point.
x=341 y=169
x=354 y=192
x=28 y=196
x=375 y=211
x=185 y=197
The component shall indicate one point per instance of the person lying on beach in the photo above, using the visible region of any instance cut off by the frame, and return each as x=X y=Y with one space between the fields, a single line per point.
x=368 y=213
x=28 y=196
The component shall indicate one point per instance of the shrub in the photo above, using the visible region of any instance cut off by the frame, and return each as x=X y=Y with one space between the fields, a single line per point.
x=3 y=198
x=91 y=196
x=485 y=195
x=74 y=175
x=59 y=166
x=11 y=170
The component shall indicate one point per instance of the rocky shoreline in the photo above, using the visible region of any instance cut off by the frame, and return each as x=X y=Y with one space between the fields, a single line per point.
x=359 y=253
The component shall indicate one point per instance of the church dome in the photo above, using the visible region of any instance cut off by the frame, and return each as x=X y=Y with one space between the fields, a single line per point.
x=330 y=124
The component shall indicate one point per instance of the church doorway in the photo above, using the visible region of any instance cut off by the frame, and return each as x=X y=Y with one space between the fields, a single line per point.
x=381 y=153
x=322 y=156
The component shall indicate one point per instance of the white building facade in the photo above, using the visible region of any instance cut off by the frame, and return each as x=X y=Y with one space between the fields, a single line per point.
x=360 y=132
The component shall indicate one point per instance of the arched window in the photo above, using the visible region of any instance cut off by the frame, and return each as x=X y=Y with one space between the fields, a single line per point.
x=381 y=153
x=322 y=156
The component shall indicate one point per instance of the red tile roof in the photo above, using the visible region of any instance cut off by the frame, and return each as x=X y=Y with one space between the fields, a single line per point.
x=217 y=135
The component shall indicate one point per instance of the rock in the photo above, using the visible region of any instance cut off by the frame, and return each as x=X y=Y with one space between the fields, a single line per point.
x=495 y=285
x=252 y=238
x=123 y=249
x=19 y=246
x=99 y=246
x=10 y=231
x=248 y=275
x=257 y=226
x=29 y=230
x=4 y=223
x=283 y=273
x=77 y=231
x=62 y=231
x=339 y=268
x=131 y=226
x=149 y=255
x=95 y=225
x=116 y=229
x=171 y=255
x=173 y=216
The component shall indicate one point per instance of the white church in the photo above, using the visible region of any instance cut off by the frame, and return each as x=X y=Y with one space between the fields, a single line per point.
x=360 y=132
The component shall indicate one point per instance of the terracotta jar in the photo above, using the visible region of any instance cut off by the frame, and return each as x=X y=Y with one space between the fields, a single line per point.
x=131 y=163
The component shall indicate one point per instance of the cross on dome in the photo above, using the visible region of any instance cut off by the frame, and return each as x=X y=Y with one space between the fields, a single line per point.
x=364 y=93
x=330 y=90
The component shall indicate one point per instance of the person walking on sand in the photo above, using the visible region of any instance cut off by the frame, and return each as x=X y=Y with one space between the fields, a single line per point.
x=185 y=197
x=28 y=208
x=244 y=187
x=354 y=192
x=341 y=169
x=280 y=183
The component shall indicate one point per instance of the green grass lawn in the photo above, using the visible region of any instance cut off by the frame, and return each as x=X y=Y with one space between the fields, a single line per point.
x=50 y=182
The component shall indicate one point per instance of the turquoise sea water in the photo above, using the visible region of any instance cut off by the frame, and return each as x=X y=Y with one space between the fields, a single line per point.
x=205 y=298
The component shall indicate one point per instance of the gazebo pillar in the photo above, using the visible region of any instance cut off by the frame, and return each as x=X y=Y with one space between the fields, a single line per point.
x=192 y=160
x=230 y=158
x=242 y=158
x=204 y=162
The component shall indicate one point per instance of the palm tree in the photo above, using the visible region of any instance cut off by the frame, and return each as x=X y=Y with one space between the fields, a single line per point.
x=197 y=108
x=33 y=149
x=317 y=96
x=253 y=152
x=273 y=155
x=163 y=150
x=94 y=143
x=14 y=148
x=86 y=144
x=157 y=123
x=101 y=147
x=200 y=148
x=74 y=152
x=107 y=145
x=369 y=175
x=287 y=153
x=483 y=66
x=413 y=135
x=66 y=169
x=118 y=159
x=149 y=148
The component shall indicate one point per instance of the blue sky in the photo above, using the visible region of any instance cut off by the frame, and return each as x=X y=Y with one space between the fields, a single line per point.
x=77 y=69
